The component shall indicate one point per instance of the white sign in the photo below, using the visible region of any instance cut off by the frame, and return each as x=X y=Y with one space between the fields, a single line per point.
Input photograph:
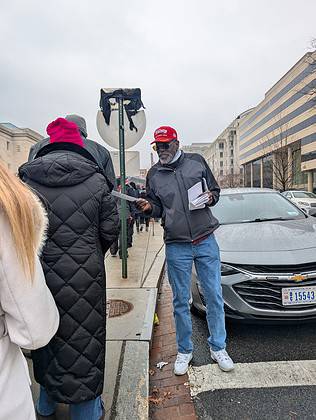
x=110 y=133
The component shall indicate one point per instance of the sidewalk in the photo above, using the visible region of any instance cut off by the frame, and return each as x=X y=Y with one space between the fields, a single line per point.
x=169 y=394
x=131 y=306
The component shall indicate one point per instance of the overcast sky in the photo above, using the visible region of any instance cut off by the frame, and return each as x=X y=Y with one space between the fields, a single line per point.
x=198 y=63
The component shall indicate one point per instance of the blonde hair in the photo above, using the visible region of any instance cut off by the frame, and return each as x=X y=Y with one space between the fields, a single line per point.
x=17 y=202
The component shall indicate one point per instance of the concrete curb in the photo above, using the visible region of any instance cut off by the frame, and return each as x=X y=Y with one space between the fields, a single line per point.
x=130 y=399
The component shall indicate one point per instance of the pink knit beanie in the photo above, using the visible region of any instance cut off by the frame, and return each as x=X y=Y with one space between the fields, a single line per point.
x=65 y=131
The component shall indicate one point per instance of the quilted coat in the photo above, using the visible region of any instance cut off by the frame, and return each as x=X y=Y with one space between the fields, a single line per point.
x=83 y=222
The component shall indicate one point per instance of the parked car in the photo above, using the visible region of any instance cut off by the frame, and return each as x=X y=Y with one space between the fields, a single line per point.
x=304 y=199
x=268 y=254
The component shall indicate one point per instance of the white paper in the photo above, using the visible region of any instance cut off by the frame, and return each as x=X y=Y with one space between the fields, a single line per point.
x=123 y=196
x=196 y=198
x=202 y=199
x=193 y=194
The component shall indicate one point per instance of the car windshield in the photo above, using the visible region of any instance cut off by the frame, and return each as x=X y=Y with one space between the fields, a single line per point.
x=254 y=207
x=304 y=194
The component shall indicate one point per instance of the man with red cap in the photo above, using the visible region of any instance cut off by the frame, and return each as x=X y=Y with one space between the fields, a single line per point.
x=189 y=237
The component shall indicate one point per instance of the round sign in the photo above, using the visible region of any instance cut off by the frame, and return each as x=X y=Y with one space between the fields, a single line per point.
x=110 y=133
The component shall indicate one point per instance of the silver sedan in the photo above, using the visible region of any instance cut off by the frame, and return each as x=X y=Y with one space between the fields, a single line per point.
x=268 y=254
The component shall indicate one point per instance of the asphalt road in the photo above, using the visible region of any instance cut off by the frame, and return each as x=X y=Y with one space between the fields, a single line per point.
x=252 y=344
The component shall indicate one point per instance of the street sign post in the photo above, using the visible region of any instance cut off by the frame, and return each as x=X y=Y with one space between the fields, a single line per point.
x=123 y=232
x=121 y=124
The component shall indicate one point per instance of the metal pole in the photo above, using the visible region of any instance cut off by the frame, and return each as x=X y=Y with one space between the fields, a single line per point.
x=123 y=202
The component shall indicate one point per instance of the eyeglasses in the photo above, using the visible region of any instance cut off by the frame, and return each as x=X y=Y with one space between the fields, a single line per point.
x=162 y=146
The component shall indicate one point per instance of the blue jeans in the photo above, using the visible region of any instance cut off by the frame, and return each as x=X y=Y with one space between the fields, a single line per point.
x=180 y=257
x=87 y=410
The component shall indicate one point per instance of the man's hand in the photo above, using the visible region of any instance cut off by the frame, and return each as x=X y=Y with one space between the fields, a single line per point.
x=143 y=205
x=210 y=197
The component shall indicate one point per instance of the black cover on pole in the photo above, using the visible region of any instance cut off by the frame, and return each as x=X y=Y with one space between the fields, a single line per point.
x=131 y=108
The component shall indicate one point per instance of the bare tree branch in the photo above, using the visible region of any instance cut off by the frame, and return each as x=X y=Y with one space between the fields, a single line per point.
x=282 y=165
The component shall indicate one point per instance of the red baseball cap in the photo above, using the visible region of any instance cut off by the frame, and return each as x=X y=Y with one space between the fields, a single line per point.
x=165 y=134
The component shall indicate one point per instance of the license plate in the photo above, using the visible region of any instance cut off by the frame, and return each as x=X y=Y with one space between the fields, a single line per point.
x=299 y=295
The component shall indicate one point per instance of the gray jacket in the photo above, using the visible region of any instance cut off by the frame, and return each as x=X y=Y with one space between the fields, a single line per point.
x=100 y=154
x=167 y=191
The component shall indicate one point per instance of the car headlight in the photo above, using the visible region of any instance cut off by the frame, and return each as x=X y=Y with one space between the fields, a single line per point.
x=227 y=270
x=303 y=203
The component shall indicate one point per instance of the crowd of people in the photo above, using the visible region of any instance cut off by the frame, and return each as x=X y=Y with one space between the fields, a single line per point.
x=58 y=219
x=134 y=216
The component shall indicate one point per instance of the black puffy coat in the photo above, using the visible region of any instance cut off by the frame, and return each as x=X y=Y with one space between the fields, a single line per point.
x=83 y=222
x=100 y=154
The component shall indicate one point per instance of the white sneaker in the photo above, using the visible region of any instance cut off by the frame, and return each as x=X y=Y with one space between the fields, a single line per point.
x=225 y=363
x=182 y=362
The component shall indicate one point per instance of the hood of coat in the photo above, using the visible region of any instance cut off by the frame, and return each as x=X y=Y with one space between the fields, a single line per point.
x=58 y=169
x=41 y=224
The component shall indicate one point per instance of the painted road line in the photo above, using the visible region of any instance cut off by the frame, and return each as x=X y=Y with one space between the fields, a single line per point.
x=252 y=375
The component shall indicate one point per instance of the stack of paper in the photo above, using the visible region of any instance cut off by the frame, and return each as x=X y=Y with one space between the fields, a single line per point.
x=196 y=197
x=201 y=199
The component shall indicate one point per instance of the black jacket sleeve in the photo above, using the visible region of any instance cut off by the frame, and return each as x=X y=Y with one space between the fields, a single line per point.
x=109 y=170
x=109 y=221
x=157 y=208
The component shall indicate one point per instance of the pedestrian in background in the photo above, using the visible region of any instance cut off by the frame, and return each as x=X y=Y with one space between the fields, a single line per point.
x=144 y=217
x=83 y=223
x=189 y=237
x=138 y=212
x=131 y=191
x=28 y=315
x=116 y=245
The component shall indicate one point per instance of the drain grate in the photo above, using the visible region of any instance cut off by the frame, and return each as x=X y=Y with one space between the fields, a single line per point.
x=117 y=307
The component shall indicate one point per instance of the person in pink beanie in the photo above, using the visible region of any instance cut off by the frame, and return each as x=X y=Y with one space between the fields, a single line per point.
x=62 y=130
x=83 y=224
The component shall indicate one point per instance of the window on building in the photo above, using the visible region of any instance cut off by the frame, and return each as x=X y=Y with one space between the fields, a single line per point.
x=267 y=172
x=221 y=154
x=221 y=172
x=231 y=161
x=256 y=173
x=247 y=175
x=8 y=145
x=18 y=148
x=299 y=177
x=221 y=145
x=232 y=171
x=221 y=164
x=232 y=143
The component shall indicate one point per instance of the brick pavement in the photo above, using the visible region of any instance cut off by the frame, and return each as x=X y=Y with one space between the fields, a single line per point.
x=169 y=394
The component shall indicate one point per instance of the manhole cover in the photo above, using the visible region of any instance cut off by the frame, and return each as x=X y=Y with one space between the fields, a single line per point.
x=117 y=307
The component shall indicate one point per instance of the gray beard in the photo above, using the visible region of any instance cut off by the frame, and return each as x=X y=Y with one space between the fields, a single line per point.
x=166 y=159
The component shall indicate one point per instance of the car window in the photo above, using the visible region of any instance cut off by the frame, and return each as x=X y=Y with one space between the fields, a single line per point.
x=304 y=194
x=247 y=207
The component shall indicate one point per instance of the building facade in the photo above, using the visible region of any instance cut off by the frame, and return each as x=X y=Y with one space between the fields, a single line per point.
x=222 y=156
x=277 y=138
x=200 y=148
x=15 y=144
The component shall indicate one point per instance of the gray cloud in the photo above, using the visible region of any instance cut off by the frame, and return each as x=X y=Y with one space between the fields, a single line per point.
x=199 y=64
